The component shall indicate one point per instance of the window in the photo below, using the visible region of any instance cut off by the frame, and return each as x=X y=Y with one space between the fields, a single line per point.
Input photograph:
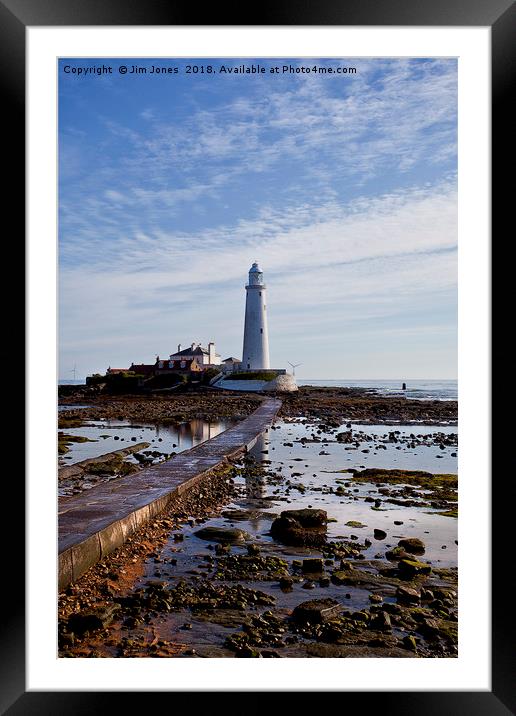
x=260 y=293
x=261 y=330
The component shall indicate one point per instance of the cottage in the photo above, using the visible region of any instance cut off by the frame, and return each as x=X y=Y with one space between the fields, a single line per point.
x=143 y=369
x=181 y=365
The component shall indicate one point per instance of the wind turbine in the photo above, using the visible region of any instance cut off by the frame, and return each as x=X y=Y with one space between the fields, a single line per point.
x=74 y=371
x=294 y=366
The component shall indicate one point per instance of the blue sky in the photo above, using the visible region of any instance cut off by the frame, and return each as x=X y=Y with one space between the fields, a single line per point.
x=342 y=186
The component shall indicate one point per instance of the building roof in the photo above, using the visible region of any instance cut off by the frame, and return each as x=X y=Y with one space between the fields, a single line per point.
x=198 y=350
x=142 y=367
x=234 y=360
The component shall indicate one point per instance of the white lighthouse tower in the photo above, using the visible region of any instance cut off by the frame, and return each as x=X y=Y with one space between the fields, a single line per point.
x=255 y=354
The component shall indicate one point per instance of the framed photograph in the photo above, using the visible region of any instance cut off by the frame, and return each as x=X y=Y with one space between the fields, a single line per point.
x=309 y=194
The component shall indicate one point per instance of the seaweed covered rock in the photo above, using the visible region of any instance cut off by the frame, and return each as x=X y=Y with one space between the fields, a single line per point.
x=410 y=568
x=305 y=528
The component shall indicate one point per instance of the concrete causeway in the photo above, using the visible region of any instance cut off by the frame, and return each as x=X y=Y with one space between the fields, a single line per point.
x=95 y=522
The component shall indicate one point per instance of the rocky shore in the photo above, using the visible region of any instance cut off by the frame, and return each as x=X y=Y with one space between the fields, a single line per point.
x=130 y=603
x=163 y=410
x=336 y=405
x=360 y=562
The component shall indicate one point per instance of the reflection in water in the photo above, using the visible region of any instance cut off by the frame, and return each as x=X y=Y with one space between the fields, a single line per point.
x=255 y=484
x=109 y=435
x=196 y=432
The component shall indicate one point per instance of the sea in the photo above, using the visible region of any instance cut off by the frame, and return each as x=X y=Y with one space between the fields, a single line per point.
x=416 y=389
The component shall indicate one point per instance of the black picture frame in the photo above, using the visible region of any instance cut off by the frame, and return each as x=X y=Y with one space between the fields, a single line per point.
x=500 y=16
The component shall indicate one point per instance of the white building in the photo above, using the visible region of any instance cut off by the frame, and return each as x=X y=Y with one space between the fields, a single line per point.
x=204 y=356
x=255 y=355
x=231 y=364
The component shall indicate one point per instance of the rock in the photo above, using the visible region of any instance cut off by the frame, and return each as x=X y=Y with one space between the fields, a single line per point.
x=342 y=577
x=282 y=384
x=222 y=549
x=354 y=523
x=312 y=565
x=380 y=534
x=445 y=593
x=286 y=583
x=361 y=616
x=392 y=608
x=301 y=527
x=397 y=553
x=410 y=568
x=92 y=619
x=407 y=595
x=222 y=534
x=247 y=653
x=307 y=517
x=429 y=628
x=412 y=545
x=324 y=581
x=381 y=621
x=316 y=611
x=344 y=437
x=409 y=642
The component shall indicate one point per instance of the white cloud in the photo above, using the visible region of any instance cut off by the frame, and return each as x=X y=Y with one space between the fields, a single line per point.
x=329 y=268
x=358 y=127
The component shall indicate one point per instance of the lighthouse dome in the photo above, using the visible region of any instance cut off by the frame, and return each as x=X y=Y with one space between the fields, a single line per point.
x=255 y=275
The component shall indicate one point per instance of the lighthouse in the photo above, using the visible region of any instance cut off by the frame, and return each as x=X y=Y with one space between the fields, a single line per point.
x=255 y=355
